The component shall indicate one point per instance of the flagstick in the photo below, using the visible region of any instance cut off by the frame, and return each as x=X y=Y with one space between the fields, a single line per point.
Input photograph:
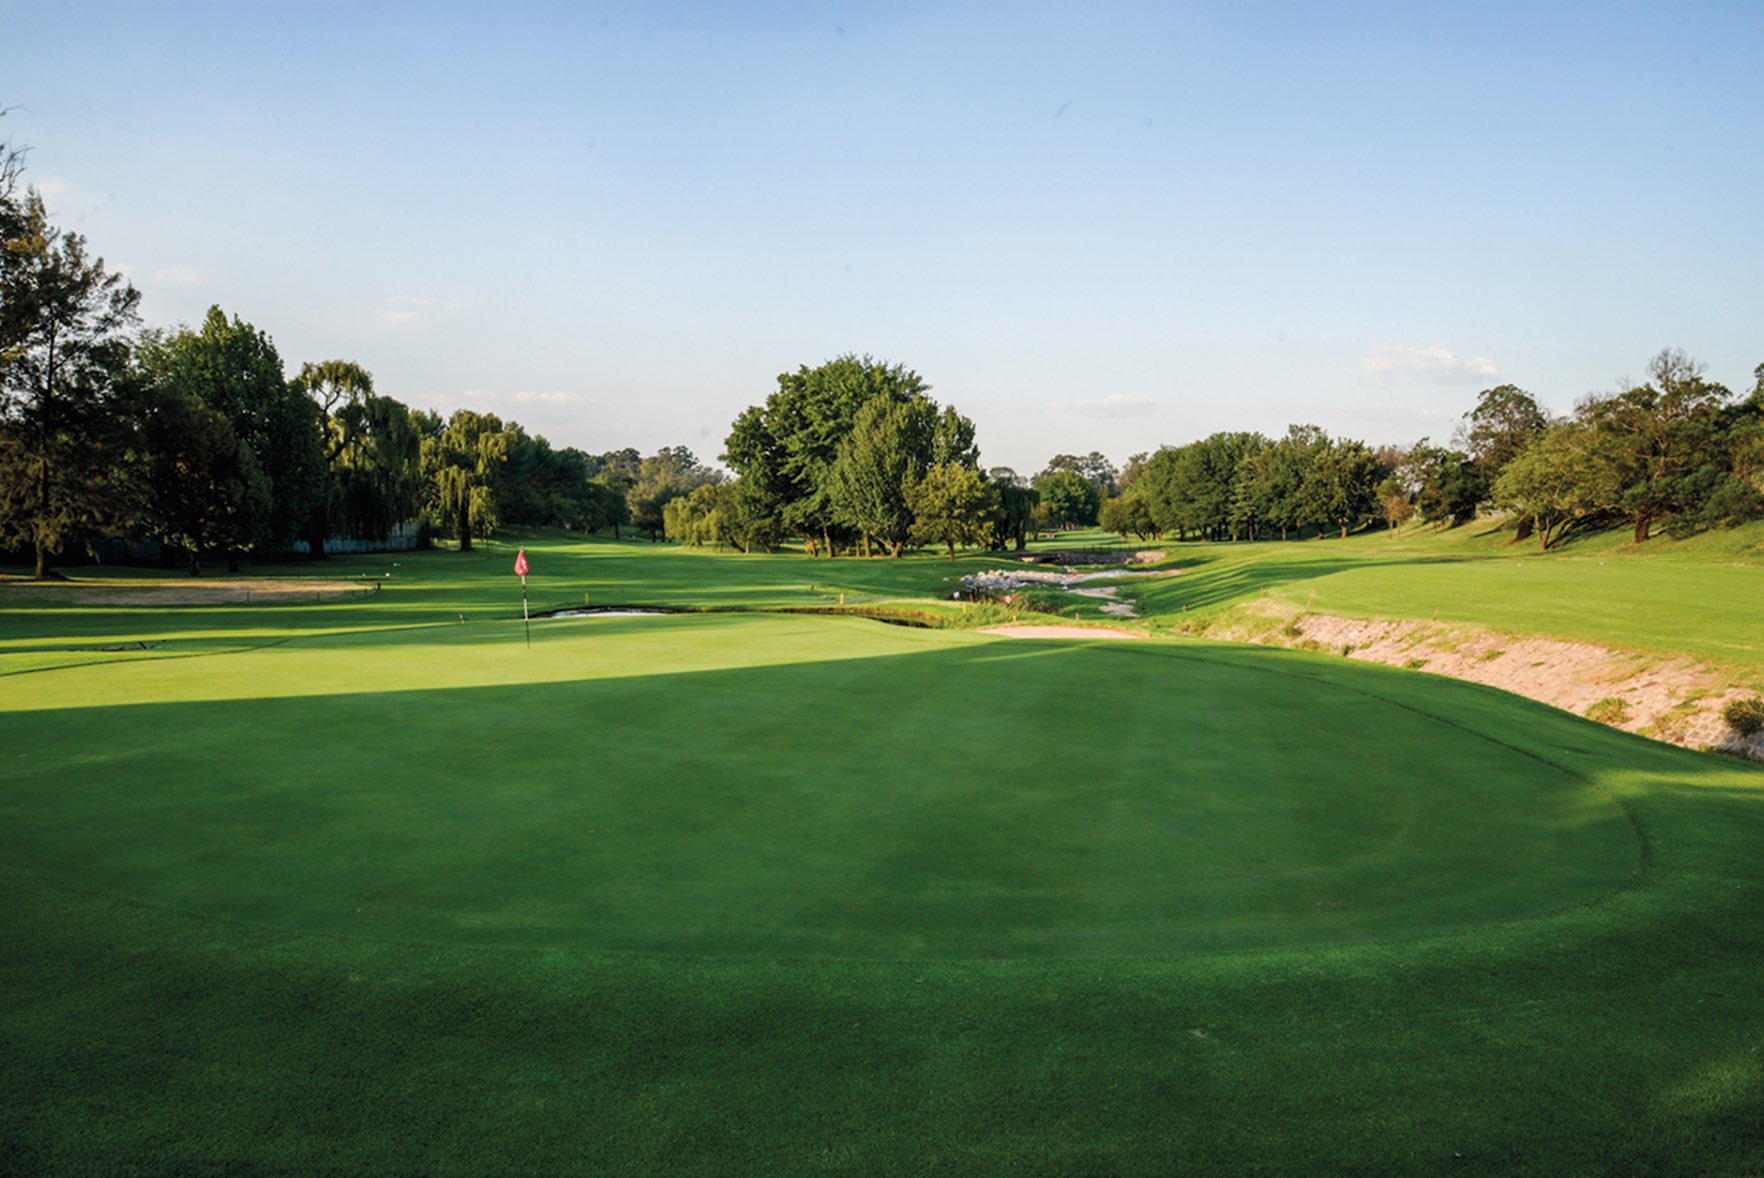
x=525 y=619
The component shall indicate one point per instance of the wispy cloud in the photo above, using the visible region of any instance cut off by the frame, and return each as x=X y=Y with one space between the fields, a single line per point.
x=524 y=397
x=177 y=275
x=1113 y=405
x=402 y=309
x=1387 y=362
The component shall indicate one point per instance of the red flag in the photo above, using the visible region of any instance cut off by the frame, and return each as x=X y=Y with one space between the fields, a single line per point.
x=521 y=563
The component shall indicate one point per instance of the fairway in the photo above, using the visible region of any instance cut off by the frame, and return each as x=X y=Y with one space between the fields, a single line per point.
x=662 y=793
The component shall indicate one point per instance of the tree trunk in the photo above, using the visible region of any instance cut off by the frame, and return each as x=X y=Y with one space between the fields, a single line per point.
x=46 y=430
x=827 y=539
x=321 y=527
x=195 y=563
x=1524 y=529
x=1643 y=524
x=465 y=531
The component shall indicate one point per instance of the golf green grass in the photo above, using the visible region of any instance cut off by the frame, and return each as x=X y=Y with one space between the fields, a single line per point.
x=676 y=785
x=357 y=887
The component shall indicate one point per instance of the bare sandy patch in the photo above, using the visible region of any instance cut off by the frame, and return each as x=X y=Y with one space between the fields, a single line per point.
x=194 y=591
x=1666 y=697
x=1056 y=632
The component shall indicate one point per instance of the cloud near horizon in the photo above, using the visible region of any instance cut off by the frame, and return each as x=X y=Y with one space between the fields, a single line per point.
x=524 y=397
x=1386 y=362
x=402 y=309
x=1113 y=405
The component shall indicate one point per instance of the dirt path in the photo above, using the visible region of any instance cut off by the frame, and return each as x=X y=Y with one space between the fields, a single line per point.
x=195 y=591
x=1668 y=698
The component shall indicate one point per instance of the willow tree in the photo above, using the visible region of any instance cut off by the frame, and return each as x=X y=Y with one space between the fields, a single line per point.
x=460 y=464
x=372 y=455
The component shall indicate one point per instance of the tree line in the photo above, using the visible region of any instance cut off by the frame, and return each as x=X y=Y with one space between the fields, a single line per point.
x=197 y=436
x=1676 y=450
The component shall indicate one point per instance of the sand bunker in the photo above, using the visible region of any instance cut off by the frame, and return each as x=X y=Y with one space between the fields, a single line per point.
x=193 y=591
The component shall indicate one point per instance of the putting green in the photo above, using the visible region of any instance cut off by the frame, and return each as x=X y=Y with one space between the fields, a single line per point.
x=756 y=786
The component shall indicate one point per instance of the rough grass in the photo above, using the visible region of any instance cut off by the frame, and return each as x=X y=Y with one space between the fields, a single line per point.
x=1693 y=597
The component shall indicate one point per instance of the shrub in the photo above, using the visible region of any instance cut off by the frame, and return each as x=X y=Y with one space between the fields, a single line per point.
x=1046 y=600
x=1613 y=709
x=1745 y=716
x=981 y=613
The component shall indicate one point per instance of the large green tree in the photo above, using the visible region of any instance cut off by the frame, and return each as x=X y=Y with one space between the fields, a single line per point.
x=1129 y=515
x=1340 y=488
x=873 y=474
x=547 y=487
x=1068 y=499
x=69 y=442
x=1505 y=420
x=1448 y=485
x=1559 y=480
x=1661 y=441
x=1094 y=468
x=1017 y=504
x=209 y=493
x=953 y=504
x=788 y=446
x=666 y=475
x=234 y=368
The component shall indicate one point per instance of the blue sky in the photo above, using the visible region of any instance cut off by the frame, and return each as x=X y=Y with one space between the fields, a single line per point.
x=1089 y=227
